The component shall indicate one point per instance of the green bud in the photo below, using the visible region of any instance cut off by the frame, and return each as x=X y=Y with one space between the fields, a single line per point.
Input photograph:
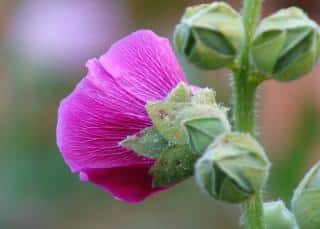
x=276 y=215
x=233 y=168
x=209 y=35
x=306 y=200
x=286 y=45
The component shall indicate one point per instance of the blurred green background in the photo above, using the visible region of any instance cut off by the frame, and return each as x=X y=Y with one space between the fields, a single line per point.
x=44 y=45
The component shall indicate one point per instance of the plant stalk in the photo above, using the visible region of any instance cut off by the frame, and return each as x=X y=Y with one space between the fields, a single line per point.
x=244 y=102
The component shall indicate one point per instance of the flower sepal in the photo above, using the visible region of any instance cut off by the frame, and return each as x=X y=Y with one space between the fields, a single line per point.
x=148 y=143
x=169 y=116
x=276 y=215
x=305 y=202
x=174 y=165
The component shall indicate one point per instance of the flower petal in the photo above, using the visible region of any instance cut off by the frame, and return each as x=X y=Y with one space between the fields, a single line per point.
x=130 y=184
x=95 y=118
x=144 y=64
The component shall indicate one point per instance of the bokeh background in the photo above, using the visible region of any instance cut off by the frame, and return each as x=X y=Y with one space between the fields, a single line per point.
x=44 y=45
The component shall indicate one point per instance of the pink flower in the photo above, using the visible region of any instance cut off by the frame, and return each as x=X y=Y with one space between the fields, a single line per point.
x=108 y=105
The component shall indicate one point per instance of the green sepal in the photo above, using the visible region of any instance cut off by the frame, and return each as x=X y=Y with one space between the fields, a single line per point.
x=148 y=143
x=305 y=202
x=268 y=45
x=166 y=117
x=181 y=93
x=169 y=115
x=209 y=49
x=298 y=61
x=204 y=96
x=174 y=165
x=276 y=215
x=202 y=131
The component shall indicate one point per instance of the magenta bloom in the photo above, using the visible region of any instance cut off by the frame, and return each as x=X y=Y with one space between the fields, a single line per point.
x=108 y=105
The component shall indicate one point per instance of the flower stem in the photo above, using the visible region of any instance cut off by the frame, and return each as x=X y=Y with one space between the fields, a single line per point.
x=244 y=99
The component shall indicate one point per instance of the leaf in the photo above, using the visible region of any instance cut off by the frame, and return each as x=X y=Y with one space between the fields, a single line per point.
x=148 y=143
x=174 y=165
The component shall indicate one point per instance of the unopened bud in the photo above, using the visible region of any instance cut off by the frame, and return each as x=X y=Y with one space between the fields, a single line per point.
x=210 y=35
x=233 y=168
x=286 y=45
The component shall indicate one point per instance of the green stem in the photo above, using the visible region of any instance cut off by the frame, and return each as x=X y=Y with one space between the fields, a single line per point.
x=252 y=213
x=244 y=99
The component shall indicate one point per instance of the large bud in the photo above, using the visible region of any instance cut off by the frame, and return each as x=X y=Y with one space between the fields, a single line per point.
x=306 y=200
x=233 y=168
x=286 y=45
x=210 y=35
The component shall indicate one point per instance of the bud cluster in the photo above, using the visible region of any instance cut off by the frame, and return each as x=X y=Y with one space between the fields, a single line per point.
x=191 y=134
x=286 y=45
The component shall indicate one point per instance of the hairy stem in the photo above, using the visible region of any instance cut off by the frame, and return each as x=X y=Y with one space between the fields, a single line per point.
x=244 y=99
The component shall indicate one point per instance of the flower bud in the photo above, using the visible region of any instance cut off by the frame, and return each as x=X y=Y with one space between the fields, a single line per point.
x=306 y=200
x=286 y=45
x=276 y=215
x=209 y=35
x=233 y=168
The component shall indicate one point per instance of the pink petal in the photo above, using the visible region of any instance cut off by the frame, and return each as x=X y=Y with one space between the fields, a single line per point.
x=144 y=65
x=130 y=184
x=94 y=118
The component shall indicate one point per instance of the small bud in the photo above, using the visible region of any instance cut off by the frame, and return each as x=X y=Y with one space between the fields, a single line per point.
x=286 y=45
x=276 y=215
x=306 y=200
x=233 y=168
x=209 y=35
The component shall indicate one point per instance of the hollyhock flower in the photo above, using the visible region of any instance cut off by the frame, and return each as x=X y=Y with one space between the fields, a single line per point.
x=108 y=105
